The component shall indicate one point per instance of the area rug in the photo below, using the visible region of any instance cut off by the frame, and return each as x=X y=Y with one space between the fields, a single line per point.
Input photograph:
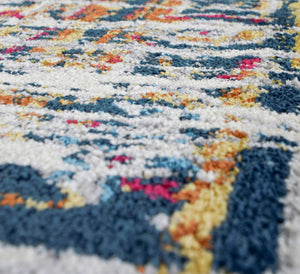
x=149 y=136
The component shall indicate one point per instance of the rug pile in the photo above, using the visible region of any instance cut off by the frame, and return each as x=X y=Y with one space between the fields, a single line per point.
x=149 y=136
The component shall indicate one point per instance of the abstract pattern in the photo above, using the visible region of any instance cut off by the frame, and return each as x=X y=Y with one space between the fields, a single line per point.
x=149 y=136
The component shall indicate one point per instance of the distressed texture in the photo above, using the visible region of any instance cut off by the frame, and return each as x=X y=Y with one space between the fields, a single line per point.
x=149 y=136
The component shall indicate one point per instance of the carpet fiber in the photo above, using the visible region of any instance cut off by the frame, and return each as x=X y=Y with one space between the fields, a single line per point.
x=149 y=136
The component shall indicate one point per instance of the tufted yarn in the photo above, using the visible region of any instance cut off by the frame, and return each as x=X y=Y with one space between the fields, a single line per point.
x=149 y=136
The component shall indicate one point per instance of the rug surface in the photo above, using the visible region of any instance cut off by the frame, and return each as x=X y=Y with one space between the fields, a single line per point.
x=149 y=136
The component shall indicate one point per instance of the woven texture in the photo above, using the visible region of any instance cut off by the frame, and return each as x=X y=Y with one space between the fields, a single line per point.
x=149 y=136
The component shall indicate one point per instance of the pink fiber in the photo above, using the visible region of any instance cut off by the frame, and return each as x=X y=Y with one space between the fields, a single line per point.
x=12 y=13
x=120 y=158
x=95 y=124
x=72 y=121
x=224 y=76
x=38 y=36
x=152 y=191
x=203 y=32
x=249 y=63
x=13 y=49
